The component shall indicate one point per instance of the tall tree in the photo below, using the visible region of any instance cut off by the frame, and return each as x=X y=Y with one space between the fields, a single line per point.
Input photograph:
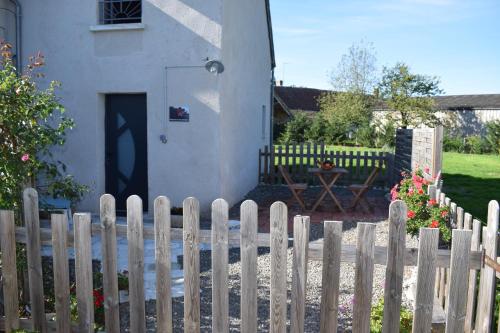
x=356 y=72
x=409 y=96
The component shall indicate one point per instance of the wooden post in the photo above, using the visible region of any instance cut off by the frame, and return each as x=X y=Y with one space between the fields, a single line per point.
x=426 y=275
x=395 y=266
x=83 y=263
x=459 y=273
x=460 y=218
x=191 y=234
x=279 y=244
x=332 y=250
x=220 y=271
x=9 y=270
x=35 y=276
x=59 y=224
x=299 y=273
x=471 y=294
x=248 y=248
x=163 y=265
x=109 y=264
x=136 y=264
x=486 y=296
x=365 y=253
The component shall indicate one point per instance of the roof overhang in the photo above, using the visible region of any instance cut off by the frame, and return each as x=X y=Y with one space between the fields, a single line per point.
x=270 y=33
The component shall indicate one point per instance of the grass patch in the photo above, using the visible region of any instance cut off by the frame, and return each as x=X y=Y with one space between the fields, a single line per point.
x=472 y=181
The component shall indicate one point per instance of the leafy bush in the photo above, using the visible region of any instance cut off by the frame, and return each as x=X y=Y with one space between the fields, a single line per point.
x=32 y=122
x=295 y=129
x=475 y=144
x=377 y=316
x=453 y=143
x=423 y=212
x=365 y=136
x=493 y=136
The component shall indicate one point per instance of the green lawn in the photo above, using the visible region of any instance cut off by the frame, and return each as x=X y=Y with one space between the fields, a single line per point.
x=472 y=181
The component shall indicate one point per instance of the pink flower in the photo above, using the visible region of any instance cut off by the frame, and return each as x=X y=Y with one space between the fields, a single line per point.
x=444 y=213
x=410 y=191
x=411 y=214
x=432 y=202
x=434 y=224
x=25 y=157
x=427 y=170
x=394 y=193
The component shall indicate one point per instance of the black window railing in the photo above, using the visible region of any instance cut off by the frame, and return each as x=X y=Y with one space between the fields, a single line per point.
x=120 y=11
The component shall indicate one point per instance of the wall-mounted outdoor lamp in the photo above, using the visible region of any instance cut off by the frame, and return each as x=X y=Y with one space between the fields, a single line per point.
x=212 y=66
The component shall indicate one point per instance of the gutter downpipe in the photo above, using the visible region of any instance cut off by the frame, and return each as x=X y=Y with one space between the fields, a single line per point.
x=18 y=35
x=271 y=112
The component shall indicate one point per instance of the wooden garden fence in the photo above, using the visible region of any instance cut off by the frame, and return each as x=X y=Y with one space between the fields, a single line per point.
x=460 y=261
x=298 y=158
x=483 y=294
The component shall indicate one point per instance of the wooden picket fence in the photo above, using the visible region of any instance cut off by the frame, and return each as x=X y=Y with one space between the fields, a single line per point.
x=460 y=261
x=298 y=158
x=481 y=294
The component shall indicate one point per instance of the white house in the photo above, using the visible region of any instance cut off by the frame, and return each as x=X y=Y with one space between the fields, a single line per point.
x=170 y=97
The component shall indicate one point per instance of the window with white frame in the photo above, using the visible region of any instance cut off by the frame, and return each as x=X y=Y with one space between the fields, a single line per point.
x=120 y=11
x=263 y=122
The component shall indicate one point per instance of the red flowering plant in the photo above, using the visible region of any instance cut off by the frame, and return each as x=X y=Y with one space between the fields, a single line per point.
x=423 y=212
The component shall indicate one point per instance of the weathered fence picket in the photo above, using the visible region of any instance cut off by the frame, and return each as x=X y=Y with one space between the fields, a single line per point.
x=59 y=224
x=83 y=264
x=35 y=276
x=248 y=248
x=395 y=266
x=220 y=292
x=136 y=264
x=109 y=265
x=471 y=293
x=486 y=296
x=459 y=268
x=330 y=281
x=462 y=263
x=426 y=276
x=163 y=265
x=363 y=277
x=299 y=273
x=9 y=270
x=279 y=244
x=191 y=253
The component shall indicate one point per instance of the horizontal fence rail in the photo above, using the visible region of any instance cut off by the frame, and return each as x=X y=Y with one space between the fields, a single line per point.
x=296 y=159
x=428 y=259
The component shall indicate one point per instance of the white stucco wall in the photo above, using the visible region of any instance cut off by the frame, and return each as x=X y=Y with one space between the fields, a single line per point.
x=215 y=154
x=245 y=90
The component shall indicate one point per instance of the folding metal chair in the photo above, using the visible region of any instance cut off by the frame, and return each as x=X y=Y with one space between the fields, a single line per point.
x=359 y=190
x=295 y=188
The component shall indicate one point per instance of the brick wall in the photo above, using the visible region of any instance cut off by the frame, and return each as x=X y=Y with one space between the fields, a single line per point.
x=420 y=146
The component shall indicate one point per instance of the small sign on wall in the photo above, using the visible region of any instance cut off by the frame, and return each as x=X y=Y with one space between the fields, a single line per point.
x=180 y=113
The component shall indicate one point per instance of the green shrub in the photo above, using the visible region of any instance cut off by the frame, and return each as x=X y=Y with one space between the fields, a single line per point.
x=475 y=144
x=493 y=136
x=453 y=144
x=377 y=316
x=365 y=136
x=295 y=129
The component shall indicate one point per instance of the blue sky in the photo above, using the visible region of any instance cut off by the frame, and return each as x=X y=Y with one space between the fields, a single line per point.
x=456 y=40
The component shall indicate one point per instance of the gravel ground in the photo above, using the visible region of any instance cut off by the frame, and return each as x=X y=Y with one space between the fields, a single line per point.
x=313 y=287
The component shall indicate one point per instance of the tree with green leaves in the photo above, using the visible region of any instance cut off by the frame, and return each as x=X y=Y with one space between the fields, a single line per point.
x=409 y=96
x=357 y=71
x=32 y=122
